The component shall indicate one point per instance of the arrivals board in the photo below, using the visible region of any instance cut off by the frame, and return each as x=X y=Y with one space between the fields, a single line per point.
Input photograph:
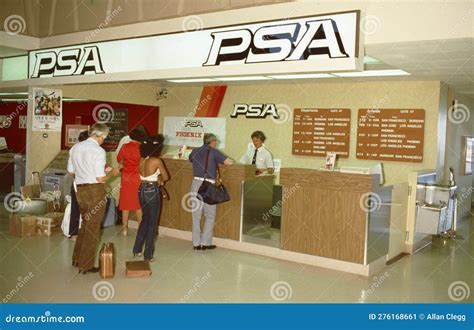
x=391 y=134
x=319 y=131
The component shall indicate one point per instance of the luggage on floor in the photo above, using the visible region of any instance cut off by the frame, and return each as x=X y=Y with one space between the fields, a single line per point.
x=107 y=260
x=110 y=216
x=33 y=206
x=137 y=269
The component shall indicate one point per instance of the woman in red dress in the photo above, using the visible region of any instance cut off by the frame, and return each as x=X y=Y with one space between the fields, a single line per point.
x=129 y=158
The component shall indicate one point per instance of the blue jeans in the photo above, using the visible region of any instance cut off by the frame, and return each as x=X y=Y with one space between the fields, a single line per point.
x=150 y=200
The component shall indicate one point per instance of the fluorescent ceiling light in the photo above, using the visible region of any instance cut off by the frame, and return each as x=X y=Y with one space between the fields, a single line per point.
x=242 y=78
x=303 y=76
x=372 y=73
x=8 y=94
x=191 y=80
x=370 y=60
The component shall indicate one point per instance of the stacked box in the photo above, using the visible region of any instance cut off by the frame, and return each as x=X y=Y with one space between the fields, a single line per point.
x=22 y=225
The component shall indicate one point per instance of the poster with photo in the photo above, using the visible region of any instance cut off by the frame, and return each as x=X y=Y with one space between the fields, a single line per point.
x=47 y=109
x=72 y=134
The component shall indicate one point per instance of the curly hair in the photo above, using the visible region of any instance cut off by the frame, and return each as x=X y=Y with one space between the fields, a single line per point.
x=152 y=146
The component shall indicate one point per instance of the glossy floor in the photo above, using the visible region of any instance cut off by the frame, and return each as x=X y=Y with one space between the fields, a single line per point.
x=38 y=269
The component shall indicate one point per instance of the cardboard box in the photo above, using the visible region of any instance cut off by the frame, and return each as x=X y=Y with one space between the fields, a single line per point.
x=49 y=224
x=22 y=225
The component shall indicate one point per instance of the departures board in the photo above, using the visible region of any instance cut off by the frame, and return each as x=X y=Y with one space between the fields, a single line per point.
x=319 y=131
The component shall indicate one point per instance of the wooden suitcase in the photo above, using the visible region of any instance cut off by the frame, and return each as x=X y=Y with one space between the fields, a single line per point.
x=107 y=260
x=137 y=269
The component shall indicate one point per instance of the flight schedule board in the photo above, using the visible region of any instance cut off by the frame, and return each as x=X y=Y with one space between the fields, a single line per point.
x=319 y=131
x=391 y=134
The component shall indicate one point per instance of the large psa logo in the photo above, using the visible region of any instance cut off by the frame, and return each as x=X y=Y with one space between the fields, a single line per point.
x=67 y=62
x=277 y=42
x=259 y=110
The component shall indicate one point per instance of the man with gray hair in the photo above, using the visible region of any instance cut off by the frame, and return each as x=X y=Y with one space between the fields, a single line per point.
x=87 y=163
x=207 y=153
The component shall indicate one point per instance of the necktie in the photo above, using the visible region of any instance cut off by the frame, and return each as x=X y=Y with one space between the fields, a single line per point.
x=254 y=159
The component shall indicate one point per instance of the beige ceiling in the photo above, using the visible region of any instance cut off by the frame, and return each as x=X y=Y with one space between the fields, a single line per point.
x=450 y=61
x=53 y=17
x=9 y=51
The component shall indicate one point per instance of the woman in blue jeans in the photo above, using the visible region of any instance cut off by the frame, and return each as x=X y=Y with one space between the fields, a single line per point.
x=153 y=174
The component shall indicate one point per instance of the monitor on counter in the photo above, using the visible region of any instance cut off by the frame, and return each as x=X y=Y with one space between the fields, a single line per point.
x=376 y=169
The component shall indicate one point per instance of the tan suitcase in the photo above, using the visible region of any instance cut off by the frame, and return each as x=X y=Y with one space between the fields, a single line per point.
x=137 y=269
x=107 y=260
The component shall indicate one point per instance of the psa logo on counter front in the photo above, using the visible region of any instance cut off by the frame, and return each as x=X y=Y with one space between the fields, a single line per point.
x=193 y=123
x=68 y=62
x=277 y=42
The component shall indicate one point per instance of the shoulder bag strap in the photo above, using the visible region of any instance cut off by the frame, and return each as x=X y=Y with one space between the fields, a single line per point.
x=207 y=160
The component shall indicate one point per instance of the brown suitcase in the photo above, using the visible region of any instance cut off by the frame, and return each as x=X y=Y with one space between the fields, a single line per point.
x=107 y=260
x=137 y=269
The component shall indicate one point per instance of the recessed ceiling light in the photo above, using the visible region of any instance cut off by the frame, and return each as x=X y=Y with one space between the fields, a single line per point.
x=372 y=73
x=303 y=76
x=242 y=78
x=191 y=80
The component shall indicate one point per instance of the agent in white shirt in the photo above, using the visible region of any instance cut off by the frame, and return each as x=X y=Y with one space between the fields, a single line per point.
x=258 y=155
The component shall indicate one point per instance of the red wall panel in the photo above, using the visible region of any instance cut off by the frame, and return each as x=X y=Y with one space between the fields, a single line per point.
x=16 y=138
x=137 y=115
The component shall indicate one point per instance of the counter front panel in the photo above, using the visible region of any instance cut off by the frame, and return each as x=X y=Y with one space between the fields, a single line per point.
x=323 y=213
x=176 y=212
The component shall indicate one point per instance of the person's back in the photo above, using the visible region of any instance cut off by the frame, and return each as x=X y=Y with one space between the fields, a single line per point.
x=200 y=155
x=202 y=240
x=130 y=158
x=87 y=157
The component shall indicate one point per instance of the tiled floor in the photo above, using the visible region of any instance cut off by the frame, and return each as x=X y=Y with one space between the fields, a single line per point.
x=38 y=269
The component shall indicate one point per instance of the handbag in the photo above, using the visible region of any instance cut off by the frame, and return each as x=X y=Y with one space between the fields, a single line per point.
x=212 y=193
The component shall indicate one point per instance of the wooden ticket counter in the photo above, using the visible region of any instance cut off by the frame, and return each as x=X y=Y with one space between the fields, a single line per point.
x=342 y=216
x=328 y=219
x=176 y=213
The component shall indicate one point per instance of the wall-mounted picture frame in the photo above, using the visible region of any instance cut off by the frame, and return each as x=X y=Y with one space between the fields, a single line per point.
x=467 y=156
x=72 y=134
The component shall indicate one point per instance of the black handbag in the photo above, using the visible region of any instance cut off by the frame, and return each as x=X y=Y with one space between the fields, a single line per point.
x=212 y=193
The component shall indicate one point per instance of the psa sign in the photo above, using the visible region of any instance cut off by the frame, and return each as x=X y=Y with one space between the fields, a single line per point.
x=259 y=110
x=67 y=62
x=276 y=42
x=289 y=45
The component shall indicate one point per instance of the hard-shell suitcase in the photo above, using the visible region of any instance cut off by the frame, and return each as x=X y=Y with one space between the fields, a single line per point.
x=107 y=260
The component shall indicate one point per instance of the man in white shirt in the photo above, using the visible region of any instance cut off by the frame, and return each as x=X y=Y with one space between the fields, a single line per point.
x=87 y=163
x=258 y=155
